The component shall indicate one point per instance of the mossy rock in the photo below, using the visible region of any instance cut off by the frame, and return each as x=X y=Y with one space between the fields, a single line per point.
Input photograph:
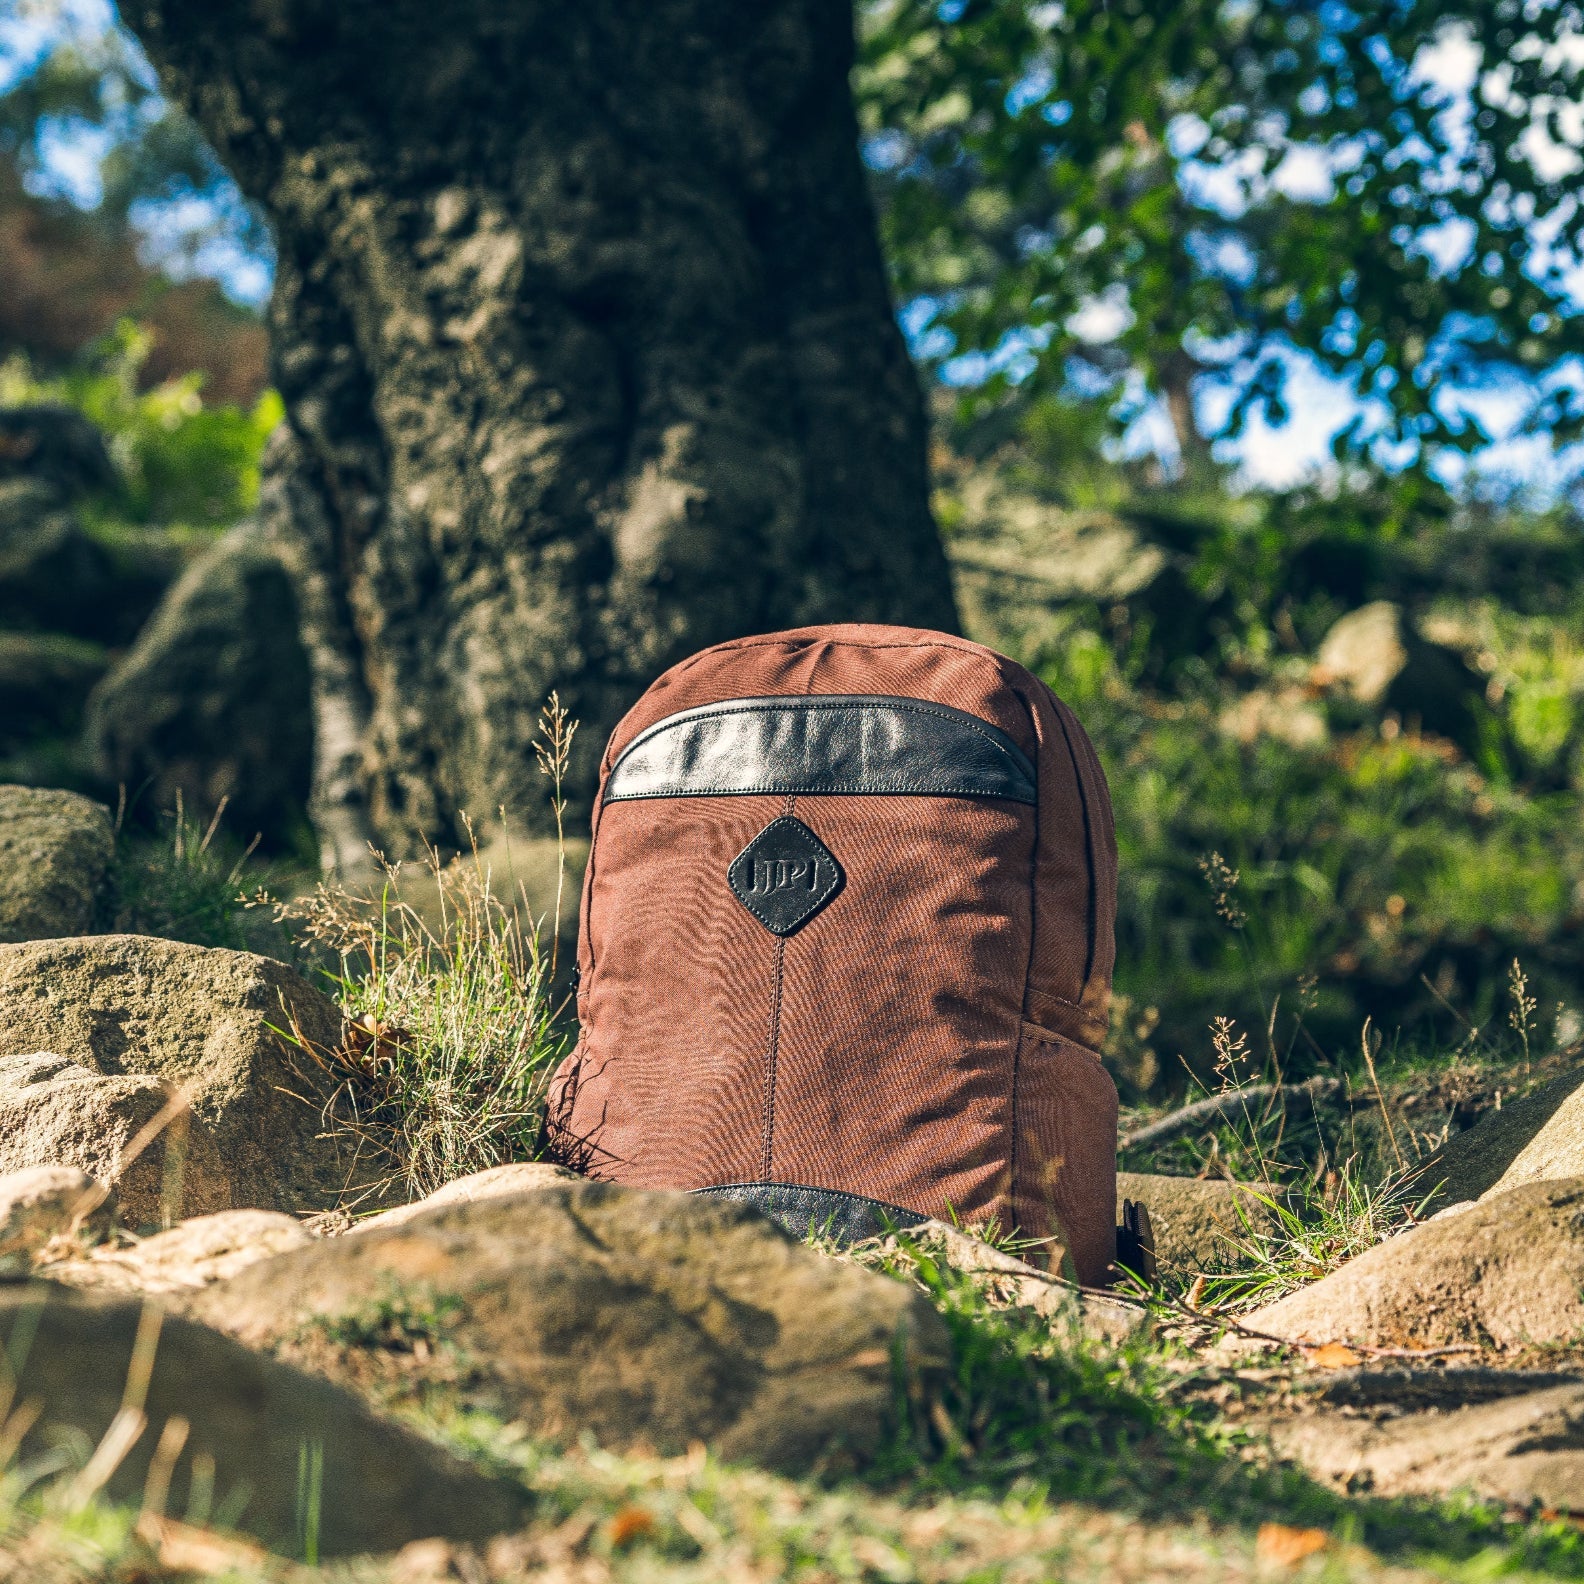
x=642 y=1319
x=45 y=679
x=254 y=1430
x=55 y=849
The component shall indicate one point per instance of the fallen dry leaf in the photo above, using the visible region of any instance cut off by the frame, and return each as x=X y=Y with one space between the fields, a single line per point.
x=1335 y=1355
x=630 y=1524
x=1288 y=1547
x=185 y=1548
x=870 y=1358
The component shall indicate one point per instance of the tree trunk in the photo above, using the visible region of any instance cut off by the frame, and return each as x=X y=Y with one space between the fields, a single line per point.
x=1177 y=373
x=587 y=353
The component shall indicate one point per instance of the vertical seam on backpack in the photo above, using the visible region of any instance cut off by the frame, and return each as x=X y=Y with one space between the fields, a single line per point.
x=767 y=1155
x=773 y=1050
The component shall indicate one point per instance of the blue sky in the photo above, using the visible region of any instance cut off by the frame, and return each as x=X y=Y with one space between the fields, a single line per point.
x=194 y=235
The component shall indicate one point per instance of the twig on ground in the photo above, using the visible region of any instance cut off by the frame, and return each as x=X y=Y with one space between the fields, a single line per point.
x=1214 y=1107
x=1380 y=1095
x=1414 y=1353
x=1363 y=1349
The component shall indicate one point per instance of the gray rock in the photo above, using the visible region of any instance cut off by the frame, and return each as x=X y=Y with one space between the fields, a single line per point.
x=252 y=1420
x=213 y=699
x=1534 y=1139
x=45 y=679
x=137 y=1010
x=53 y=1111
x=42 y=1203
x=640 y=1318
x=54 y=445
x=53 y=575
x=1199 y=1223
x=1508 y=1272
x=1364 y=652
x=185 y=1259
x=1374 y=656
x=494 y=1183
x=55 y=848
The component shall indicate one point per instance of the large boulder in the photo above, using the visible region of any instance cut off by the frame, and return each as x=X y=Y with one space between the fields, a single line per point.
x=55 y=1112
x=213 y=699
x=279 y=1443
x=654 y=1319
x=210 y=1022
x=54 y=850
x=1506 y=1272
x=1200 y=1224
x=1537 y=1138
x=53 y=574
x=56 y=446
x=1375 y=657
x=1364 y=652
x=45 y=679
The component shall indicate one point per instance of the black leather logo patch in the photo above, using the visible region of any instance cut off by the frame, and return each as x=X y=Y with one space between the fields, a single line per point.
x=785 y=875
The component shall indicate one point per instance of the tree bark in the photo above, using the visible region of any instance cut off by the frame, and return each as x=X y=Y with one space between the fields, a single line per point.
x=587 y=353
x=1177 y=373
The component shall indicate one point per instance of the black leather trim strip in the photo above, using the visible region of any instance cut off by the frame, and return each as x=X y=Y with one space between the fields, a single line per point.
x=796 y=1208
x=822 y=745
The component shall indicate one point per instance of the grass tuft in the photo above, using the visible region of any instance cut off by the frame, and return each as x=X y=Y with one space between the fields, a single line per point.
x=188 y=885
x=454 y=1024
x=456 y=1021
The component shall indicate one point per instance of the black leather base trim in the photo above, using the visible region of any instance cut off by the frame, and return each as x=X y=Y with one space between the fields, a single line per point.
x=843 y=1217
x=821 y=745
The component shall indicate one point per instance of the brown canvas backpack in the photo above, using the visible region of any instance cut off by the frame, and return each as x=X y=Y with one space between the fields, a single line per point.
x=846 y=943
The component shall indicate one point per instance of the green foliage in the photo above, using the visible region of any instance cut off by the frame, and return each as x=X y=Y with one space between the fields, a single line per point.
x=456 y=1024
x=1023 y=1400
x=1367 y=865
x=179 y=461
x=94 y=78
x=395 y=1320
x=191 y=884
x=1033 y=160
x=1374 y=850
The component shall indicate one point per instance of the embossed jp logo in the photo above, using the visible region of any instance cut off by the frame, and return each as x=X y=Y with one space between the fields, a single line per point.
x=785 y=875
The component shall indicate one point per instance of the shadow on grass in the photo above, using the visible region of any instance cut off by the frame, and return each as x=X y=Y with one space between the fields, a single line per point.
x=1021 y=1412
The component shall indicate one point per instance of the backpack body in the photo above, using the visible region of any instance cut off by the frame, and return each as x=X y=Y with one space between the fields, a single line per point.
x=847 y=936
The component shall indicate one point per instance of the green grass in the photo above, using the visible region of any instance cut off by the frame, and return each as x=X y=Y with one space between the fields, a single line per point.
x=455 y=1022
x=1373 y=856
x=191 y=882
x=457 y=1018
x=1030 y=1407
x=1307 y=1237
